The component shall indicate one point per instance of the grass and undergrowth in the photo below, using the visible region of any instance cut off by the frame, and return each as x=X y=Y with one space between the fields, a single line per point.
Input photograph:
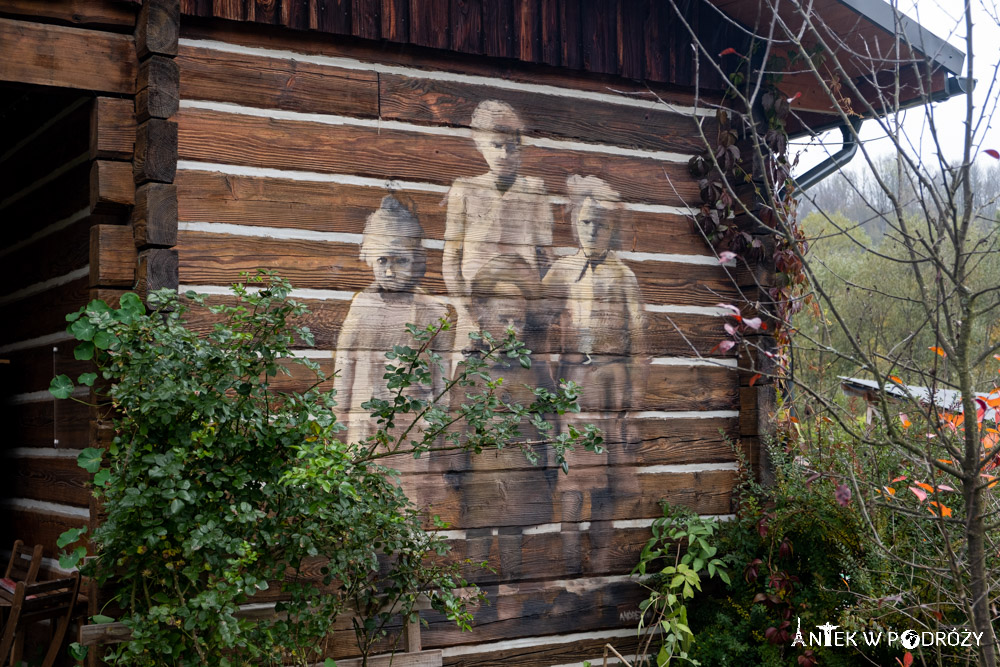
x=824 y=544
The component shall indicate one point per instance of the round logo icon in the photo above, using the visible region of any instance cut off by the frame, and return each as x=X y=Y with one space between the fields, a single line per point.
x=909 y=639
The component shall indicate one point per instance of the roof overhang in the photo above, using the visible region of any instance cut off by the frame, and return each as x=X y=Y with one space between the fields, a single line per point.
x=870 y=42
x=884 y=15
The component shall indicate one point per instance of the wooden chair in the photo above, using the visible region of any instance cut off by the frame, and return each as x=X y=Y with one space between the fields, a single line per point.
x=23 y=566
x=55 y=600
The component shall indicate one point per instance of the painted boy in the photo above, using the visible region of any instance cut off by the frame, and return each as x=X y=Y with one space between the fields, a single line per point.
x=601 y=323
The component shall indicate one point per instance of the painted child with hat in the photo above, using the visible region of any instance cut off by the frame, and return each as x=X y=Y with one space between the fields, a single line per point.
x=377 y=319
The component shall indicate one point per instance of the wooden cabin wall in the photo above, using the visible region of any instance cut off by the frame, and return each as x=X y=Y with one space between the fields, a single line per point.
x=632 y=39
x=68 y=72
x=288 y=144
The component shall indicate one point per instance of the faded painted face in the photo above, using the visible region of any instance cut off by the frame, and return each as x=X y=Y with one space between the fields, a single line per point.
x=594 y=226
x=501 y=151
x=395 y=269
x=507 y=308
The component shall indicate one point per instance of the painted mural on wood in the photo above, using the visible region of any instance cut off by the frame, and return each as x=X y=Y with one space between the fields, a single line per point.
x=501 y=271
x=548 y=210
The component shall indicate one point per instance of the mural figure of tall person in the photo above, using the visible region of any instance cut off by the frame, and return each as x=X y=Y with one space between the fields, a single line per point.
x=378 y=316
x=501 y=212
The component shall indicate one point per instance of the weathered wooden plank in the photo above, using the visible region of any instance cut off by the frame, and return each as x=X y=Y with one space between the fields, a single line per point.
x=663 y=334
x=551 y=37
x=420 y=659
x=366 y=18
x=320 y=44
x=449 y=103
x=218 y=259
x=395 y=20
x=519 y=612
x=660 y=388
x=265 y=11
x=523 y=610
x=50 y=479
x=49 y=257
x=467 y=25
x=111 y=186
x=61 y=143
x=599 y=30
x=112 y=129
x=553 y=650
x=334 y=16
x=112 y=256
x=650 y=442
x=234 y=10
x=570 y=33
x=155 y=151
x=547 y=552
x=631 y=46
x=100 y=634
x=41 y=424
x=158 y=93
x=498 y=29
x=528 y=25
x=429 y=23
x=757 y=407
x=656 y=42
x=157 y=28
x=50 y=55
x=490 y=499
x=43 y=313
x=276 y=83
x=154 y=216
x=236 y=139
x=295 y=14
x=116 y=16
x=325 y=207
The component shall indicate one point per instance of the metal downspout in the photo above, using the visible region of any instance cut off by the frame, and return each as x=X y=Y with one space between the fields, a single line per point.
x=849 y=132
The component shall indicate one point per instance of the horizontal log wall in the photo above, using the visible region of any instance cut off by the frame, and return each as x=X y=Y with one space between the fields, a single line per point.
x=633 y=39
x=67 y=77
x=282 y=156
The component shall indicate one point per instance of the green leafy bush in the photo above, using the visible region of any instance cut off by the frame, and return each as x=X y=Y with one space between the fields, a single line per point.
x=216 y=485
x=678 y=555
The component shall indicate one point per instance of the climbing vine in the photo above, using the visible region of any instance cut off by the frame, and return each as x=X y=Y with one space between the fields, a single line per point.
x=748 y=210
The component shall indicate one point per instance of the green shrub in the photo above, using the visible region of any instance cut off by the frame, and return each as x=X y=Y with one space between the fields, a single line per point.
x=217 y=484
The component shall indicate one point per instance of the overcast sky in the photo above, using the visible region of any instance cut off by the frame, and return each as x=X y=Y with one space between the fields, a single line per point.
x=944 y=19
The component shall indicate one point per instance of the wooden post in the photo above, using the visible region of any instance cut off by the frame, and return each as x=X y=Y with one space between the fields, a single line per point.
x=155 y=151
x=158 y=28
x=157 y=268
x=112 y=129
x=154 y=216
x=112 y=256
x=111 y=186
x=158 y=88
